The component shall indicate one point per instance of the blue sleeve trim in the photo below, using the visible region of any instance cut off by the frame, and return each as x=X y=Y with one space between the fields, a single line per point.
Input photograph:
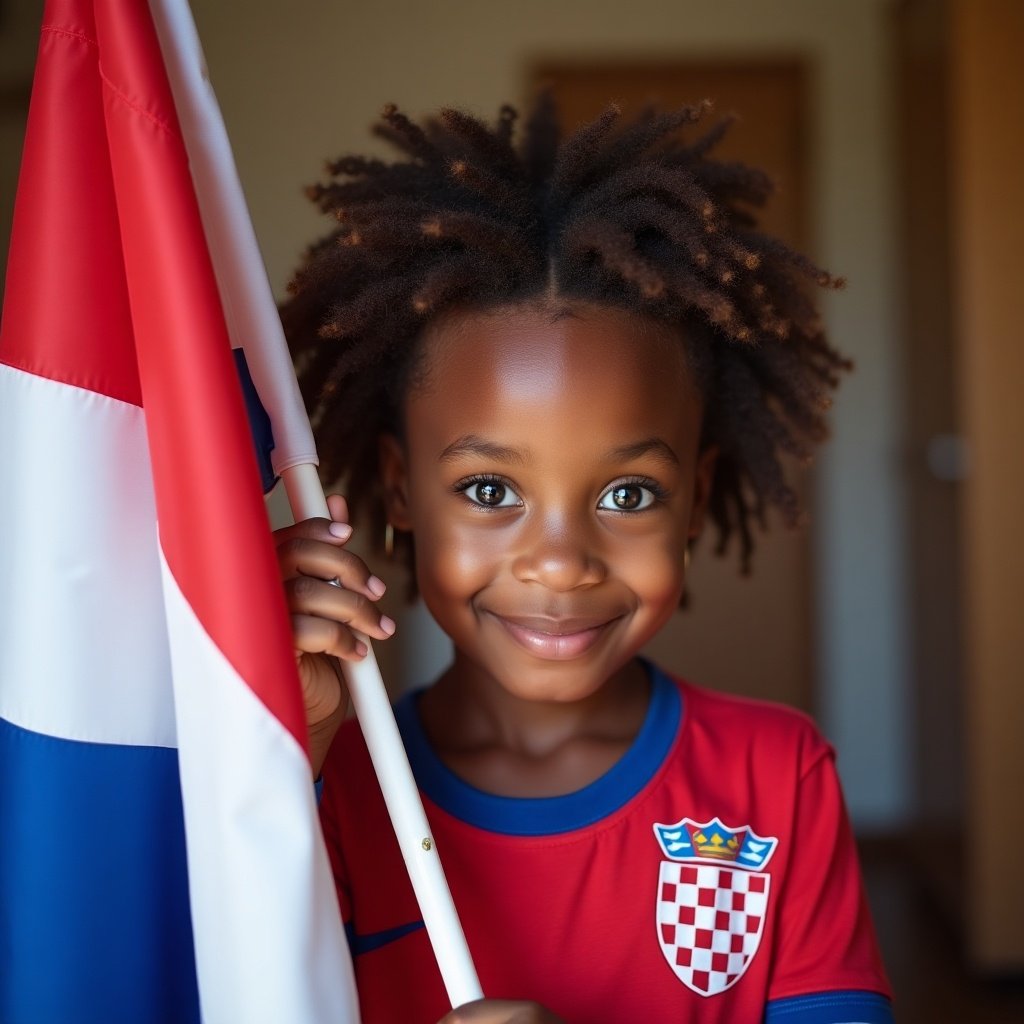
x=359 y=944
x=318 y=788
x=831 y=1008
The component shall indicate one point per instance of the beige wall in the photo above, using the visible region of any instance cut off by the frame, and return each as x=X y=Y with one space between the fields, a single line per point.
x=988 y=111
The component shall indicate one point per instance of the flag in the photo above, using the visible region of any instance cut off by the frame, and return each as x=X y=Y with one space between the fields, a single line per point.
x=160 y=858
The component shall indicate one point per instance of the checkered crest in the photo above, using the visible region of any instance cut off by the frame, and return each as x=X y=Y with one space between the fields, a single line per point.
x=711 y=905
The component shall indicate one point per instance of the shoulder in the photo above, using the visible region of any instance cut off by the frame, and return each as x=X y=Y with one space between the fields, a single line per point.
x=765 y=730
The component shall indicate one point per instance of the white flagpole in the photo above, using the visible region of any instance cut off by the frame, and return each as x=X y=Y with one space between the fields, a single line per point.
x=253 y=320
x=377 y=721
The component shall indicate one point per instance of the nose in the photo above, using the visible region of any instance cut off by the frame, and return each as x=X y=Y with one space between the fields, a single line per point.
x=560 y=553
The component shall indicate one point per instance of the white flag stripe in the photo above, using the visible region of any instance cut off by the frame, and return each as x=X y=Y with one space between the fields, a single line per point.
x=79 y=568
x=239 y=790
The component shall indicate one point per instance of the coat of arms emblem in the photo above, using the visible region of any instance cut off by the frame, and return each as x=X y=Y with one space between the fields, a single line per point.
x=712 y=900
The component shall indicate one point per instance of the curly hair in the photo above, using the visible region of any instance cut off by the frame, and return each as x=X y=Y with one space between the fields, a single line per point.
x=631 y=216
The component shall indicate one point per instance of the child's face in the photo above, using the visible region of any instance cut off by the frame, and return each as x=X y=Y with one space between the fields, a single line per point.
x=551 y=477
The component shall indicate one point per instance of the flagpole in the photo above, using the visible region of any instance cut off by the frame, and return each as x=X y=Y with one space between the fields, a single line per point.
x=252 y=318
x=384 y=742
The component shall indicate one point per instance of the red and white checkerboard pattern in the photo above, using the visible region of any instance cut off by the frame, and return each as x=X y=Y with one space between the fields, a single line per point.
x=710 y=920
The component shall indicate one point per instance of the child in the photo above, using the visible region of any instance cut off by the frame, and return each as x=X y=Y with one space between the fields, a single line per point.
x=539 y=367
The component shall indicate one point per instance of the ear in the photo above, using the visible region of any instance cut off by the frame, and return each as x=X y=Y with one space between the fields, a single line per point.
x=703 y=479
x=394 y=477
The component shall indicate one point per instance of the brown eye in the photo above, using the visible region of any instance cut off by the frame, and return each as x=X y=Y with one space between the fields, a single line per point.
x=491 y=493
x=627 y=498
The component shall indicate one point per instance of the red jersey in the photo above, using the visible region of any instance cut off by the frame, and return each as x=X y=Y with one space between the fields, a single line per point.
x=709 y=876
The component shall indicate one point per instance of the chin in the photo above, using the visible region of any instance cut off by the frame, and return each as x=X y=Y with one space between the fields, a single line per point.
x=560 y=682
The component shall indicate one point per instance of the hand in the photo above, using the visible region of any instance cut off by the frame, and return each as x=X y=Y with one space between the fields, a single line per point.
x=500 y=1011
x=325 y=616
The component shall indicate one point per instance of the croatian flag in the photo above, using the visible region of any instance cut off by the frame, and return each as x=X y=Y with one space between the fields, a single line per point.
x=160 y=857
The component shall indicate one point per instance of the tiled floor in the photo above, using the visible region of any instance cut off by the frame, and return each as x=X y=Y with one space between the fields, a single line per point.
x=921 y=951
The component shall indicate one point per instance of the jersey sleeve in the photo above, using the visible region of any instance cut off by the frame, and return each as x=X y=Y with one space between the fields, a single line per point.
x=827 y=968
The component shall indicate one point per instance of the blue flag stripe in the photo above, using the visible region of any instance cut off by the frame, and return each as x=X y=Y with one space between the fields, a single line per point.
x=86 y=830
x=259 y=422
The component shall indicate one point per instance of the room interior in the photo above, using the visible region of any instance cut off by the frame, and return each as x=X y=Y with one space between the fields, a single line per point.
x=892 y=130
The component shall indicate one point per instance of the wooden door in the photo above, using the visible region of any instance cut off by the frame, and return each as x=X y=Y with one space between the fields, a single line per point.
x=933 y=469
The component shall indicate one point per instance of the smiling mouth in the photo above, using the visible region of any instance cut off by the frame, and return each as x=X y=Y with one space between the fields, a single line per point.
x=555 y=639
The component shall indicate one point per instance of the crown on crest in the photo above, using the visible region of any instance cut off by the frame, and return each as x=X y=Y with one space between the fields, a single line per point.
x=714 y=841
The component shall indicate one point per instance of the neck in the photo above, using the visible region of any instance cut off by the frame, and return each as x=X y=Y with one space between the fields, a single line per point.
x=503 y=743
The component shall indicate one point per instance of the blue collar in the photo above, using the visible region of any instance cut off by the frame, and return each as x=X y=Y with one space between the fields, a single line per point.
x=541 y=816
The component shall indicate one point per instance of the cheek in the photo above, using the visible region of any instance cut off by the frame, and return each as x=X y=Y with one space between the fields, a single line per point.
x=446 y=560
x=664 y=590
x=453 y=562
x=654 y=572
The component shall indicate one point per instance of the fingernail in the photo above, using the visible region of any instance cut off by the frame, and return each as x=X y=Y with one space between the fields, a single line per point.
x=376 y=586
x=340 y=530
x=361 y=648
x=387 y=624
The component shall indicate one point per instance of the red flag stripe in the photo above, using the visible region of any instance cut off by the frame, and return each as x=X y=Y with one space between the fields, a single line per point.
x=213 y=529
x=85 y=339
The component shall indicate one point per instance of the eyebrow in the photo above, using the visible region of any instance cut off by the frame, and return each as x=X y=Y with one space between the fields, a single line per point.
x=653 y=446
x=471 y=444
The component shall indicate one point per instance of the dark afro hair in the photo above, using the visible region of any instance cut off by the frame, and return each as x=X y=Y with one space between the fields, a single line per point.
x=632 y=216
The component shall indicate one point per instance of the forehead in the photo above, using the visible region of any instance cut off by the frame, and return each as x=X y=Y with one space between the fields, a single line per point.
x=571 y=368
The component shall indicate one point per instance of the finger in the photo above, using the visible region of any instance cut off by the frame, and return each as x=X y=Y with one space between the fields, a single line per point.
x=307 y=556
x=318 y=528
x=337 y=508
x=313 y=635
x=309 y=596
